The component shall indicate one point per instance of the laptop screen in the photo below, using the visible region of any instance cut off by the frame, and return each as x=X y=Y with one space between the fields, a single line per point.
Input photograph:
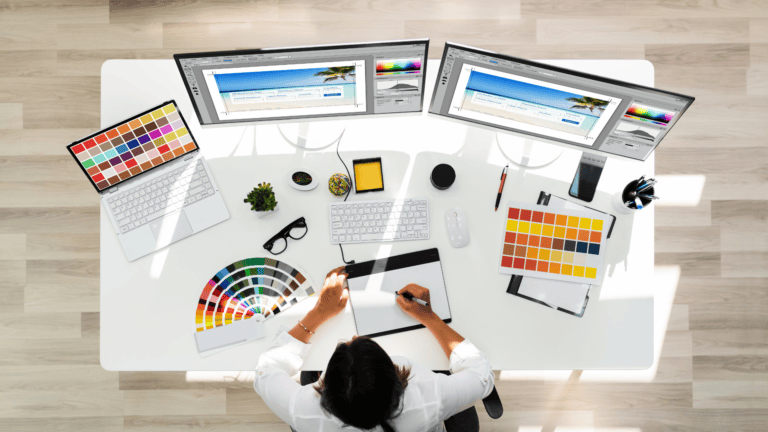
x=133 y=146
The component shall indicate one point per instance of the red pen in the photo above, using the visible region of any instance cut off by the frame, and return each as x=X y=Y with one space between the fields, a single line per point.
x=501 y=186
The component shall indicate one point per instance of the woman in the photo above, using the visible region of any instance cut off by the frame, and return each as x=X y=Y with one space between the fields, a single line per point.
x=362 y=386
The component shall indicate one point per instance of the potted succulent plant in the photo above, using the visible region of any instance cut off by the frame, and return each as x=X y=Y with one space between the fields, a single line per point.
x=262 y=199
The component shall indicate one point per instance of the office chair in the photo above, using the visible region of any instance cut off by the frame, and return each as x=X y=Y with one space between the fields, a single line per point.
x=465 y=421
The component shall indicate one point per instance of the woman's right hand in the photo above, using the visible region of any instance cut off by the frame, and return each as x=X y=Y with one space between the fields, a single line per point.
x=415 y=310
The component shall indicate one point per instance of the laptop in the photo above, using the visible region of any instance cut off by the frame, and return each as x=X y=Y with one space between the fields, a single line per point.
x=153 y=181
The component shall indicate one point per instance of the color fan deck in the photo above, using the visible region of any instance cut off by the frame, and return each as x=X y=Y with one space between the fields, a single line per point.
x=550 y=243
x=249 y=287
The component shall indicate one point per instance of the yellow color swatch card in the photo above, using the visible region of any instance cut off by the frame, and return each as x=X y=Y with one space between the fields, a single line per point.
x=369 y=175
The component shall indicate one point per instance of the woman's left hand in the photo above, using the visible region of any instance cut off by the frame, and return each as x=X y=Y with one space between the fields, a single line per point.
x=333 y=296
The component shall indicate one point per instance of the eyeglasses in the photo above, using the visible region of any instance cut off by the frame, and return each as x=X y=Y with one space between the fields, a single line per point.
x=279 y=242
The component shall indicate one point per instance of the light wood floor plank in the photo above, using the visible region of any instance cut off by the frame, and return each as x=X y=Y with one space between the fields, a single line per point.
x=730 y=368
x=213 y=36
x=737 y=239
x=687 y=239
x=179 y=380
x=228 y=423
x=703 y=55
x=89 y=325
x=48 y=246
x=27 y=37
x=682 y=420
x=175 y=402
x=50 y=219
x=14 y=247
x=72 y=378
x=11 y=116
x=38 y=168
x=109 y=36
x=63 y=424
x=643 y=30
x=740 y=213
x=89 y=62
x=152 y=11
x=470 y=33
x=744 y=264
x=39 y=326
x=29 y=142
x=757 y=80
x=525 y=396
x=27 y=63
x=721 y=291
x=49 y=352
x=730 y=394
x=692 y=263
x=758 y=30
x=13 y=277
x=734 y=316
x=42 y=404
x=54 y=11
x=48 y=193
x=652 y=8
x=668 y=215
x=731 y=342
x=307 y=10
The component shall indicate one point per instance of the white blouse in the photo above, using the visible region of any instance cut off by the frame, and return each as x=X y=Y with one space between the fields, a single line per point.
x=429 y=399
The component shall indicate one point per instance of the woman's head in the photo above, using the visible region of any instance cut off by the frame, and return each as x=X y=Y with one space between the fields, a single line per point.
x=361 y=386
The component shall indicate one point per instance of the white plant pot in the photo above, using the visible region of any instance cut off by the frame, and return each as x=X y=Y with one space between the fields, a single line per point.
x=263 y=214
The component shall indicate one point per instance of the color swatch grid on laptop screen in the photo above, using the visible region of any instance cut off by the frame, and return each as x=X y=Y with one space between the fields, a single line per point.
x=553 y=245
x=134 y=146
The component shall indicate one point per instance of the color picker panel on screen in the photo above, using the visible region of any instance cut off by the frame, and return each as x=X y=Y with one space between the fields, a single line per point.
x=137 y=145
x=249 y=287
x=560 y=244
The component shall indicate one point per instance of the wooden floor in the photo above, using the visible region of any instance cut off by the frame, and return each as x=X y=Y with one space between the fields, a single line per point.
x=711 y=245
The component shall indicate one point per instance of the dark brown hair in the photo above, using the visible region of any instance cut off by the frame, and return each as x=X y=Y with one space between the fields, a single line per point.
x=362 y=386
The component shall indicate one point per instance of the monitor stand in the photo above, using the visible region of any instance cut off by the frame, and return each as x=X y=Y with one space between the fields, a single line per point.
x=320 y=135
x=527 y=152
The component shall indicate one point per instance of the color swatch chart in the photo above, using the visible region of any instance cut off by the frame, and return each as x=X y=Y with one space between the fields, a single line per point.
x=560 y=244
x=248 y=287
x=134 y=146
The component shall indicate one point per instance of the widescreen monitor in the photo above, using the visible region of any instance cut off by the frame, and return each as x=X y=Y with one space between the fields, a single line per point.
x=306 y=83
x=553 y=104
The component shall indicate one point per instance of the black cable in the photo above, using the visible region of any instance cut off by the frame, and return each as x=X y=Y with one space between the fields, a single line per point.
x=342 y=256
x=338 y=143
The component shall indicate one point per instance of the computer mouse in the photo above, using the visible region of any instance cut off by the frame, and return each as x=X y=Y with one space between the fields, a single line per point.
x=458 y=230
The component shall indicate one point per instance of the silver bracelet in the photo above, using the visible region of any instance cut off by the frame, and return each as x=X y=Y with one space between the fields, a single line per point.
x=305 y=329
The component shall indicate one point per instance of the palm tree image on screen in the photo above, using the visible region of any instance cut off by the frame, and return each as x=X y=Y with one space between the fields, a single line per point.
x=586 y=102
x=336 y=72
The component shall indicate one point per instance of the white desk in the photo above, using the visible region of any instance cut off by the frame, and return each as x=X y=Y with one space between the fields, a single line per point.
x=148 y=306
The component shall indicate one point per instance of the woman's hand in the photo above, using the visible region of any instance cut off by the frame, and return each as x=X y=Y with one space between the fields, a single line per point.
x=415 y=310
x=333 y=296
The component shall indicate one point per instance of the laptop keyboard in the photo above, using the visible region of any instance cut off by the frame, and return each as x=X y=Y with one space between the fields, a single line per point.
x=162 y=195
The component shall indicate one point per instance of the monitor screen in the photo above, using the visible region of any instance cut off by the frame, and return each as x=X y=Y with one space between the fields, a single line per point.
x=306 y=82
x=133 y=146
x=556 y=104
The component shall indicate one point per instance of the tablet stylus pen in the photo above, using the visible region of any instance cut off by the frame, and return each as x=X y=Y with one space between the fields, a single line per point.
x=412 y=298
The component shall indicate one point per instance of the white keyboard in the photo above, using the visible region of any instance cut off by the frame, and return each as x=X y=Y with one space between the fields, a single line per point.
x=165 y=194
x=377 y=221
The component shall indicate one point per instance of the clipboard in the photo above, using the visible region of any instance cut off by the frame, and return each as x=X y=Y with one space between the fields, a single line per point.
x=373 y=284
x=567 y=297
